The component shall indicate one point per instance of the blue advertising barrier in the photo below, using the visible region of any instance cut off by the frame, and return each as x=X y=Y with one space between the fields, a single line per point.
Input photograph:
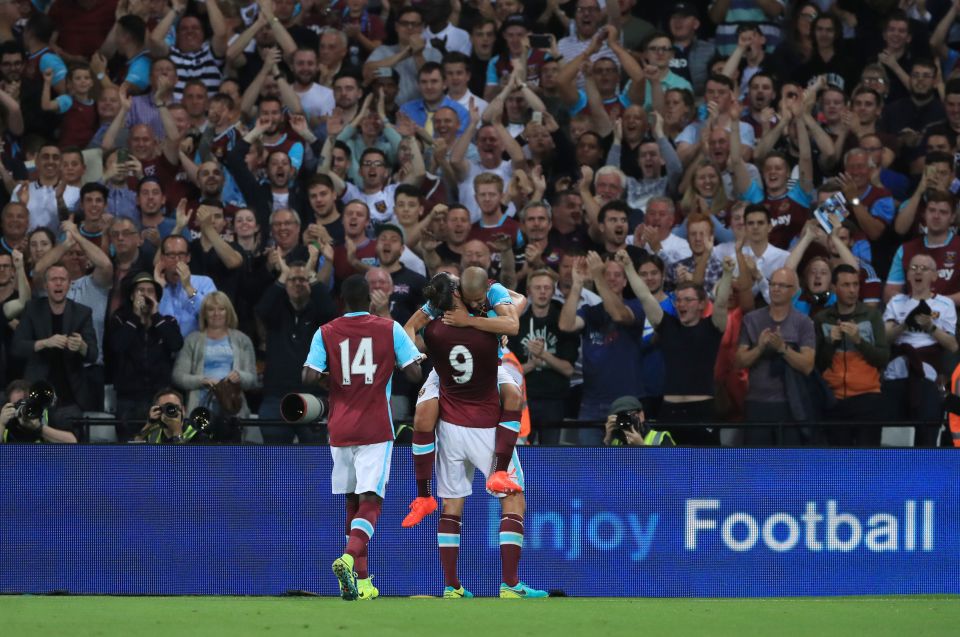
x=600 y=522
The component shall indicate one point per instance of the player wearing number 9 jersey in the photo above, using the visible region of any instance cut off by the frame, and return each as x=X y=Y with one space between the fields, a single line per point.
x=495 y=310
x=357 y=354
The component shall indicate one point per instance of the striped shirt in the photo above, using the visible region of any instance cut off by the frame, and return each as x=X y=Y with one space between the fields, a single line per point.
x=201 y=65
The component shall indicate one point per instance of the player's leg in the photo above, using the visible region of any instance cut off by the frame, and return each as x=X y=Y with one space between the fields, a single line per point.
x=424 y=449
x=344 y=481
x=507 y=432
x=454 y=483
x=512 y=508
x=372 y=469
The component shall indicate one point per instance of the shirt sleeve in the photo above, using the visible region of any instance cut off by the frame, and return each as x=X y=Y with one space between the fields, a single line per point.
x=296 y=155
x=492 y=71
x=799 y=195
x=947 y=321
x=406 y=352
x=428 y=309
x=689 y=135
x=139 y=73
x=883 y=209
x=64 y=103
x=747 y=136
x=498 y=295
x=580 y=104
x=53 y=61
x=317 y=356
x=805 y=334
x=754 y=193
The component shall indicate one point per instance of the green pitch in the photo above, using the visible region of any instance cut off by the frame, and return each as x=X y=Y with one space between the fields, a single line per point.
x=912 y=616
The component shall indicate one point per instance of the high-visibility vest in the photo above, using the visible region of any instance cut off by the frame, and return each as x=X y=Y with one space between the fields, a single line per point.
x=954 y=419
x=509 y=358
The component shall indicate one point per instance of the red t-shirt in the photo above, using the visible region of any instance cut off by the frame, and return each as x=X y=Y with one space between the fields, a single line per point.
x=467 y=362
x=82 y=30
x=173 y=180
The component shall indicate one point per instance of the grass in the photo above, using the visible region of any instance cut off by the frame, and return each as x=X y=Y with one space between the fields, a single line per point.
x=914 y=616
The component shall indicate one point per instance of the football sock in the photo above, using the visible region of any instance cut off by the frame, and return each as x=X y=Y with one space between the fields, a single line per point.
x=448 y=539
x=506 y=438
x=511 y=542
x=361 y=528
x=359 y=561
x=424 y=451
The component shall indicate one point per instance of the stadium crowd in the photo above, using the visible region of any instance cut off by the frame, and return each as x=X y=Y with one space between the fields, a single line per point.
x=186 y=184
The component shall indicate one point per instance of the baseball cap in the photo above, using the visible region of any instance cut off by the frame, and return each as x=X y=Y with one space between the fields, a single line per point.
x=384 y=227
x=625 y=404
x=514 y=20
x=684 y=9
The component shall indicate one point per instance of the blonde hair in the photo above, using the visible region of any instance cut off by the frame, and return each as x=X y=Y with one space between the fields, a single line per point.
x=720 y=201
x=217 y=299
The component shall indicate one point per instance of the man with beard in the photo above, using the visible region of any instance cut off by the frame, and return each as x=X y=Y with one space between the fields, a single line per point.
x=447 y=248
x=907 y=116
x=761 y=91
x=568 y=231
x=317 y=100
x=211 y=180
x=613 y=230
x=56 y=338
x=272 y=131
x=280 y=190
x=407 y=294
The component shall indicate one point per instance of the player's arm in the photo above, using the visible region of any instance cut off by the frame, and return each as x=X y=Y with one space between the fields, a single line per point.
x=519 y=301
x=505 y=322
x=415 y=323
x=408 y=356
x=310 y=376
x=315 y=367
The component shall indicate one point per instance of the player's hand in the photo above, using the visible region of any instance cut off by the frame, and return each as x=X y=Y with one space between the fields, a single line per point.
x=456 y=317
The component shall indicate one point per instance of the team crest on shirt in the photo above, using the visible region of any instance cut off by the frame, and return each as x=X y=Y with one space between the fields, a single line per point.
x=381 y=206
x=423 y=390
x=949 y=258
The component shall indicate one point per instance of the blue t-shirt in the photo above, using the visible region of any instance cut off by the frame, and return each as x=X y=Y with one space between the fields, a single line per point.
x=496 y=295
x=612 y=354
x=138 y=71
x=653 y=365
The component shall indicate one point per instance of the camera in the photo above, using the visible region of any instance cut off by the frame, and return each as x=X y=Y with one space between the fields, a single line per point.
x=40 y=398
x=627 y=420
x=201 y=419
x=303 y=408
x=170 y=410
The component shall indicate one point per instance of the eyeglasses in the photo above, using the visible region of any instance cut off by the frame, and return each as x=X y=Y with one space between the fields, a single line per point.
x=659 y=49
x=410 y=24
x=372 y=164
x=921 y=268
x=878 y=80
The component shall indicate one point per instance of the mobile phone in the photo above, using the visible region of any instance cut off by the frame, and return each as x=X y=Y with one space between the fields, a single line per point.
x=537 y=117
x=123 y=155
x=540 y=40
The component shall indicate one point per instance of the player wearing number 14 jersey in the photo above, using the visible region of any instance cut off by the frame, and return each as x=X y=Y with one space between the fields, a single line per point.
x=357 y=353
x=467 y=362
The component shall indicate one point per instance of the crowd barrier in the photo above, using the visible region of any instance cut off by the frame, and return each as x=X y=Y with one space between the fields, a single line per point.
x=257 y=520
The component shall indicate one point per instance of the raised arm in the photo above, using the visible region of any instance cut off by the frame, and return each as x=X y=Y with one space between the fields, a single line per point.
x=281 y=35
x=119 y=122
x=651 y=307
x=157 y=41
x=219 y=26
x=722 y=296
x=612 y=303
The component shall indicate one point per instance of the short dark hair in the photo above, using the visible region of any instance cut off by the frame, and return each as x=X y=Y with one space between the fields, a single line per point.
x=616 y=205
x=372 y=151
x=343 y=146
x=407 y=190
x=269 y=98
x=347 y=74
x=163 y=391
x=40 y=26
x=656 y=261
x=429 y=67
x=721 y=79
x=938 y=157
x=355 y=292
x=93 y=186
x=439 y=291
x=843 y=268
x=320 y=179
x=134 y=26
x=756 y=207
x=224 y=98
x=456 y=57
x=696 y=287
x=952 y=87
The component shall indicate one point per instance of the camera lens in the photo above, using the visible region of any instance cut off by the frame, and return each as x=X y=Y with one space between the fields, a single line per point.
x=170 y=410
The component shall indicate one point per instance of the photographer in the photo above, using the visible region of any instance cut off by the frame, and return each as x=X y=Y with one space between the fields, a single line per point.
x=626 y=425
x=16 y=426
x=165 y=422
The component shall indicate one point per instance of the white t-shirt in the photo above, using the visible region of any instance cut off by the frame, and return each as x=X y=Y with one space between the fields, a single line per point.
x=672 y=249
x=380 y=203
x=410 y=259
x=317 y=101
x=944 y=315
x=455 y=39
x=478 y=101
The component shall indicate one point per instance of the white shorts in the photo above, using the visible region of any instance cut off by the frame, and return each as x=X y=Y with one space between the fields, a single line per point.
x=361 y=468
x=506 y=375
x=461 y=451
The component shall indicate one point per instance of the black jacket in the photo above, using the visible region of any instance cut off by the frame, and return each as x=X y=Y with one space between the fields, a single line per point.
x=141 y=359
x=35 y=325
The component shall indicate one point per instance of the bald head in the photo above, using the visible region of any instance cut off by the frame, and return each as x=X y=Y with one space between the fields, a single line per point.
x=473 y=283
